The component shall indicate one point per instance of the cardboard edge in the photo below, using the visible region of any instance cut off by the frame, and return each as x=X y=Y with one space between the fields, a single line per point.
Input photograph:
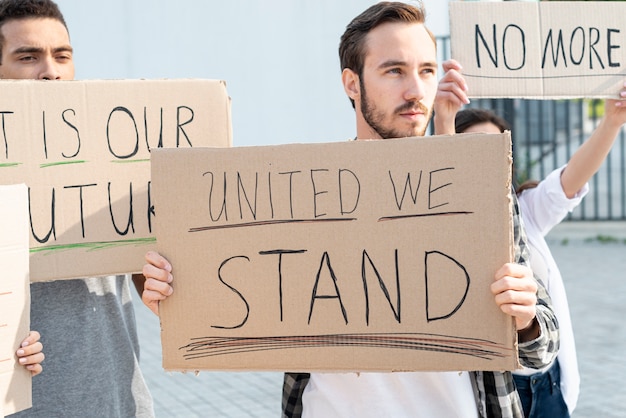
x=516 y=365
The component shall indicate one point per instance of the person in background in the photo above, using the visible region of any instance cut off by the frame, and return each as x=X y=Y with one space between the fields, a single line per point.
x=389 y=72
x=553 y=390
x=92 y=349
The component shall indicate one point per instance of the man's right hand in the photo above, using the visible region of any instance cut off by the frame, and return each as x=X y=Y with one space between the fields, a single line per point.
x=158 y=274
x=451 y=96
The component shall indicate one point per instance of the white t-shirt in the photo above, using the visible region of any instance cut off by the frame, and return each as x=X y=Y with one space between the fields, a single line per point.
x=378 y=395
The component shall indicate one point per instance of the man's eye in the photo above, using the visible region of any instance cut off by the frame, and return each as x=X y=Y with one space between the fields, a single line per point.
x=27 y=58
x=394 y=71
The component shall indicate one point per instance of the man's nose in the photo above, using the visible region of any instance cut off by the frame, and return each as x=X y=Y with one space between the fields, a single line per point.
x=414 y=89
x=49 y=69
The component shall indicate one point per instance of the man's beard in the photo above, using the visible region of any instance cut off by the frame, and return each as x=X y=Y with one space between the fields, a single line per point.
x=376 y=118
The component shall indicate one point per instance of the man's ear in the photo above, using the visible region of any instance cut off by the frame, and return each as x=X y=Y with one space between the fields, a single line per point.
x=351 y=84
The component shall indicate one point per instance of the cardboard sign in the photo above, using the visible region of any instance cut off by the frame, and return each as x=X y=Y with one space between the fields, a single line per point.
x=15 y=380
x=361 y=255
x=83 y=150
x=540 y=49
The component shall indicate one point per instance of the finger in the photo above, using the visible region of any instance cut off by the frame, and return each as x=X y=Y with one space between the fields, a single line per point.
x=612 y=103
x=156 y=259
x=33 y=337
x=514 y=270
x=452 y=94
x=159 y=286
x=27 y=350
x=508 y=269
x=619 y=102
x=516 y=297
x=514 y=284
x=34 y=359
x=34 y=369
x=153 y=272
x=453 y=77
x=151 y=300
x=522 y=314
x=514 y=281
x=451 y=64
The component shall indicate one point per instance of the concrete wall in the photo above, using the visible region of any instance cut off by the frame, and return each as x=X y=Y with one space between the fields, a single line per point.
x=278 y=57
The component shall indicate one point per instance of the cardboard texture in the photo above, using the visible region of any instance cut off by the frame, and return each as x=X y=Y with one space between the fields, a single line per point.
x=361 y=255
x=83 y=149
x=15 y=380
x=540 y=49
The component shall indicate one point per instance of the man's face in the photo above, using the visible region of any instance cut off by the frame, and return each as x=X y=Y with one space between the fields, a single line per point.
x=36 y=48
x=399 y=82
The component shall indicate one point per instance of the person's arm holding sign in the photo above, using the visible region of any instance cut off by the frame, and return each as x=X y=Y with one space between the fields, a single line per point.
x=30 y=354
x=589 y=157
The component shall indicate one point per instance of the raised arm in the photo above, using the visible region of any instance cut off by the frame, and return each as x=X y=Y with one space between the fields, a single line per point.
x=587 y=160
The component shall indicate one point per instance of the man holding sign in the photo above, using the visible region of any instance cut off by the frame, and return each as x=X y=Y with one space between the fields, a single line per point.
x=389 y=65
x=88 y=324
x=389 y=72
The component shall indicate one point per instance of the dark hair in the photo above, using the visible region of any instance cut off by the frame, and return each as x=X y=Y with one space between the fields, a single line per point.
x=352 y=45
x=27 y=9
x=467 y=118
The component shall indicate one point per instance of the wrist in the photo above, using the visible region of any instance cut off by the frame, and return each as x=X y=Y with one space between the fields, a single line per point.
x=531 y=332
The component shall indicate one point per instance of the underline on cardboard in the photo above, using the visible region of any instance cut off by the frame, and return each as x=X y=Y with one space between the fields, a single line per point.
x=4 y=359
x=421 y=215
x=5 y=293
x=143 y=160
x=91 y=246
x=217 y=346
x=541 y=77
x=273 y=222
x=4 y=165
x=45 y=165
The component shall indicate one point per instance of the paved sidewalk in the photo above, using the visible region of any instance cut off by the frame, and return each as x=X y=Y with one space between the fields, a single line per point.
x=592 y=259
x=207 y=394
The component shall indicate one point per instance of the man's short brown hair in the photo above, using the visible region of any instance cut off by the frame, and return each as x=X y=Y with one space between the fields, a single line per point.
x=352 y=45
x=27 y=9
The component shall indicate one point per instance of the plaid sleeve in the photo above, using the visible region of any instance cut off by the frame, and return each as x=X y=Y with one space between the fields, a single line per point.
x=293 y=388
x=543 y=350
x=499 y=397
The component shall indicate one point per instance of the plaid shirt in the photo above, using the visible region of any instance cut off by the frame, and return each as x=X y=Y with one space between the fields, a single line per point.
x=494 y=391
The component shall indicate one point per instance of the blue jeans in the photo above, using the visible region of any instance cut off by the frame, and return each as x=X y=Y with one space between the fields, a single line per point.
x=541 y=394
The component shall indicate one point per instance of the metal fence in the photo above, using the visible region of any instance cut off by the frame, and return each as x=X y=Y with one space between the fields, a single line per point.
x=545 y=134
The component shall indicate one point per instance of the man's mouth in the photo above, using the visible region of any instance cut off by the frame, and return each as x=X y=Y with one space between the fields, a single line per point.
x=412 y=114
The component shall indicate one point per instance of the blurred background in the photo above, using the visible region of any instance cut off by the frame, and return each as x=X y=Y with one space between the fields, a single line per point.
x=279 y=60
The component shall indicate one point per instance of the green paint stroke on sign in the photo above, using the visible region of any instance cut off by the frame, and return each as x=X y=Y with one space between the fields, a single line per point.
x=93 y=246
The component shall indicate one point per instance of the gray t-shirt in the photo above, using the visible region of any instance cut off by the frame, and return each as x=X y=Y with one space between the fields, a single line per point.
x=89 y=335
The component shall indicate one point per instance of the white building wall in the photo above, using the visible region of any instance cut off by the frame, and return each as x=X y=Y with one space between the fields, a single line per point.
x=278 y=57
